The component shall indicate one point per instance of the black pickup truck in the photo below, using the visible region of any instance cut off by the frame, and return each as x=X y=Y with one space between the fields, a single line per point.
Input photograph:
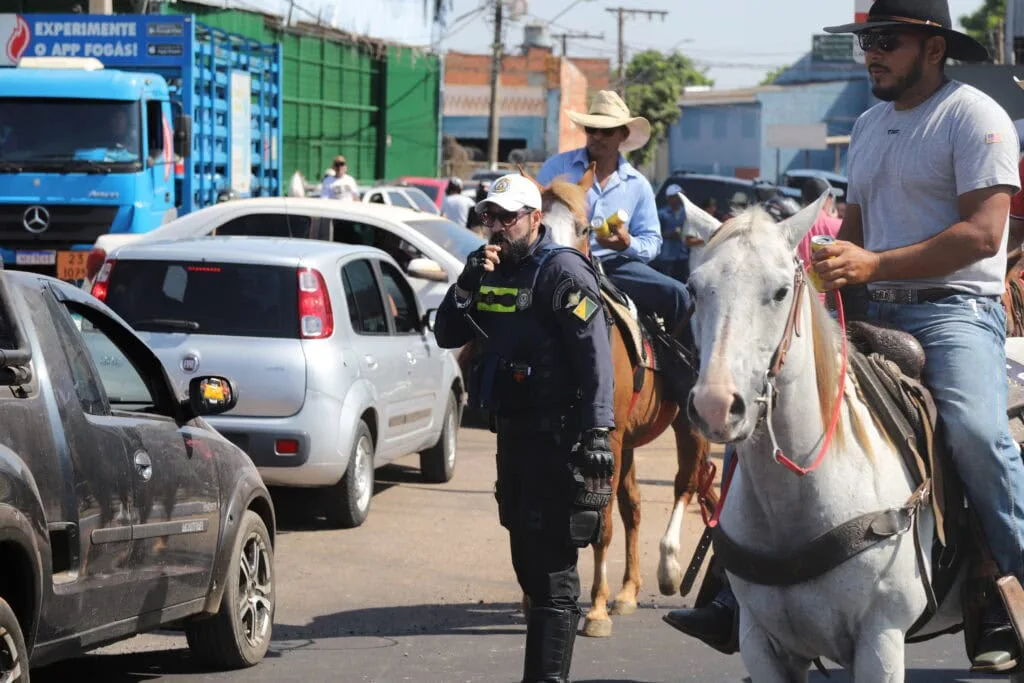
x=121 y=509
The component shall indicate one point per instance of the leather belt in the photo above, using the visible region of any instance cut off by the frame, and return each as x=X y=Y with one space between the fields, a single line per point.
x=918 y=296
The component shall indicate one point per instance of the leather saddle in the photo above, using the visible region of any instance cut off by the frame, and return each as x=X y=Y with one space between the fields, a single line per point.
x=639 y=332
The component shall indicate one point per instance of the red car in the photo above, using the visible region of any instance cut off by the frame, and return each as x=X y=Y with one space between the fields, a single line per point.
x=434 y=187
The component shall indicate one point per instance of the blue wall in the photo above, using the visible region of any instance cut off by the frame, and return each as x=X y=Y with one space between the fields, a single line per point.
x=716 y=139
x=529 y=128
x=836 y=104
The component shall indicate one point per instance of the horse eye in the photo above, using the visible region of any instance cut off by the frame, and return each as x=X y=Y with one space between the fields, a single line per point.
x=780 y=294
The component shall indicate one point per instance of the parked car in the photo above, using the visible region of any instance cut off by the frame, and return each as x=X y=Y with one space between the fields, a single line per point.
x=435 y=188
x=700 y=188
x=121 y=509
x=405 y=234
x=797 y=177
x=340 y=369
x=405 y=196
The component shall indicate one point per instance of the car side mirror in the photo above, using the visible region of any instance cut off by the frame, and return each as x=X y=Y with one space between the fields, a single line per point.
x=426 y=269
x=211 y=395
x=430 y=319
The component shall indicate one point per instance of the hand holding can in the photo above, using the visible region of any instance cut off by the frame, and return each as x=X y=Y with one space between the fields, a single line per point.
x=818 y=242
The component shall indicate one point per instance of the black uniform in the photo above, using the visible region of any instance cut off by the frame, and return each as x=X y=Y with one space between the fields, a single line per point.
x=543 y=369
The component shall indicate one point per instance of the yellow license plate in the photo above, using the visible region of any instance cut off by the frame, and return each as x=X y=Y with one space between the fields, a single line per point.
x=71 y=265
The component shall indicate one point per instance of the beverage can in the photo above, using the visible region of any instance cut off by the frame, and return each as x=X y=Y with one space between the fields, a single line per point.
x=818 y=242
x=598 y=227
x=617 y=219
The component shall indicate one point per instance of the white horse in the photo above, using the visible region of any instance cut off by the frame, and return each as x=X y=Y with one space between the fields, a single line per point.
x=749 y=308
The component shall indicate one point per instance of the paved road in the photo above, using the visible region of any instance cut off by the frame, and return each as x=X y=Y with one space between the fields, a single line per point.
x=424 y=592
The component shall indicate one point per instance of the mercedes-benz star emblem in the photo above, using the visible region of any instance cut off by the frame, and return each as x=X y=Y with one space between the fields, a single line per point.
x=36 y=219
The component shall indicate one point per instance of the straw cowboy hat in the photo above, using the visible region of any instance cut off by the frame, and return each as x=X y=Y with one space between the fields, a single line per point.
x=609 y=111
x=931 y=15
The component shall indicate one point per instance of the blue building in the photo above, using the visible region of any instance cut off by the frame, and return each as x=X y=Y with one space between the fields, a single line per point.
x=726 y=131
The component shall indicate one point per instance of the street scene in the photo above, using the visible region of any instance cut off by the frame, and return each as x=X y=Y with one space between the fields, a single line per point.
x=496 y=340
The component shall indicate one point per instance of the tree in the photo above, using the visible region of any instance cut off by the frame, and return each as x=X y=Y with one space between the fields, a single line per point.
x=986 y=26
x=770 y=77
x=654 y=83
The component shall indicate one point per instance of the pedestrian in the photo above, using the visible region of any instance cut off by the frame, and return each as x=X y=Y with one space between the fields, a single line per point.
x=674 y=259
x=932 y=168
x=626 y=252
x=456 y=206
x=341 y=185
x=542 y=368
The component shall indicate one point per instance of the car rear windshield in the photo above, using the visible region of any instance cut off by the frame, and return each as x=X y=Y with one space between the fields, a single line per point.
x=231 y=299
x=724 y=192
x=454 y=239
x=430 y=190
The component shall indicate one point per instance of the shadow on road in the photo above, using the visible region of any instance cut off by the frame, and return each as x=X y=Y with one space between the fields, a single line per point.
x=410 y=620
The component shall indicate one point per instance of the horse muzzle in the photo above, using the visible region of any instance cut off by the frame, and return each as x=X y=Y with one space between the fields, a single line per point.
x=717 y=410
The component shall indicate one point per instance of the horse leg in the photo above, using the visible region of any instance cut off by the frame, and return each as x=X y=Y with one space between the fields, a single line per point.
x=629 y=509
x=691 y=453
x=880 y=656
x=764 y=660
x=598 y=624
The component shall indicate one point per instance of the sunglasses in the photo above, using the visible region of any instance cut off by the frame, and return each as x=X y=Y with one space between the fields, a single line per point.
x=506 y=218
x=883 y=40
x=603 y=132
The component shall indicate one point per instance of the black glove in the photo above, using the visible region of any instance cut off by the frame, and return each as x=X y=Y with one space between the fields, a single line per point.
x=473 y=273
x=595 y=455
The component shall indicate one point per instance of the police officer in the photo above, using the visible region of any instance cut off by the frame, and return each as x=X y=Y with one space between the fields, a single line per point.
x=543 y=369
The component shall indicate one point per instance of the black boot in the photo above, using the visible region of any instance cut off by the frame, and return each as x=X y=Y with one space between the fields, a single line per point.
x=997 y=649
x=550 y=636
x=714 y=624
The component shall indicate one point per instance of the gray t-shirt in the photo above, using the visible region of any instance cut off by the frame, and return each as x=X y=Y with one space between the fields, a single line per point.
x=907 y=168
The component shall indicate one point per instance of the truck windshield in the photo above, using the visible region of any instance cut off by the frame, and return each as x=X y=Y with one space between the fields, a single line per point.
x=70 y=135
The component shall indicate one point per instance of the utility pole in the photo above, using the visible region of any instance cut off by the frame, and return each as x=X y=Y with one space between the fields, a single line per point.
x=622 y=12
x=495 y=117
x=569 y=34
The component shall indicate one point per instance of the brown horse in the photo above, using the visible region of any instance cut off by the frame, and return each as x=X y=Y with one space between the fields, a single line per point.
x=641 y=415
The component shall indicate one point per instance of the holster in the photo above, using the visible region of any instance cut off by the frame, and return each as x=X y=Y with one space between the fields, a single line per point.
x=586 y=515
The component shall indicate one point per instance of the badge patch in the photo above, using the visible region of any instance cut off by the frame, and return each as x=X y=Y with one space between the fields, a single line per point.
x=585 y=309
x=558 y=300
x=524 y=299
x=500 y=186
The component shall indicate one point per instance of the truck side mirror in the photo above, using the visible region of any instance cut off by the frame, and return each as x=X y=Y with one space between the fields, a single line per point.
x=183 y=135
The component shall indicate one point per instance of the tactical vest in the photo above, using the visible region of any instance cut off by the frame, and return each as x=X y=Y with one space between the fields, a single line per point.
x=521 y=367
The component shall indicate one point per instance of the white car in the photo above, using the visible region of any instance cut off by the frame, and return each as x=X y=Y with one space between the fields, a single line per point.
x=431 y=250
x=405 y=196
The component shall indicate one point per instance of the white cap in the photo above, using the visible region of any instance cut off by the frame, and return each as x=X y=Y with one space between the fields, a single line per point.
x=672 y=190
x=512 y=192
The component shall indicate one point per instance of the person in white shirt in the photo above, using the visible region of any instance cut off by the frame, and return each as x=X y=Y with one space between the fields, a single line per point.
x=342 y=185
x=456 y=206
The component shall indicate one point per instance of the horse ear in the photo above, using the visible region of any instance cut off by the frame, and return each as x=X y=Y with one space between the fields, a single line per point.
x=522 y=172
x=795 y=227
x=699 y=224
x=587 y=181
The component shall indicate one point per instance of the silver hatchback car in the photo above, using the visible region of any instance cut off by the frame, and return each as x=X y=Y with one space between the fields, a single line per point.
x=337 y=368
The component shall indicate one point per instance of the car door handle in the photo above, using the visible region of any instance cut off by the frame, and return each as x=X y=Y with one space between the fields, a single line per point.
x=371 y=362
x=143 y=466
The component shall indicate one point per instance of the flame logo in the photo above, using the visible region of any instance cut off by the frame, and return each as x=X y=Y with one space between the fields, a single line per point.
x=19 y=40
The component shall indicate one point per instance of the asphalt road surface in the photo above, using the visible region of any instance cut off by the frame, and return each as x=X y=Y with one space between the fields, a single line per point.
x=424 y=591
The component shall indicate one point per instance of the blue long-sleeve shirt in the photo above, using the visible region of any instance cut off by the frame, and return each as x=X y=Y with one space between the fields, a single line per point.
x=626 y=189
x=672 y=224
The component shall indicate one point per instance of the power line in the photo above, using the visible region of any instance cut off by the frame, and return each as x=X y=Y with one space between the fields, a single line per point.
x=564 y=37
x=622 y=12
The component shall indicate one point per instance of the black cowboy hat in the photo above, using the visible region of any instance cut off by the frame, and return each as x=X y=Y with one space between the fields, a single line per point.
x=932 y=15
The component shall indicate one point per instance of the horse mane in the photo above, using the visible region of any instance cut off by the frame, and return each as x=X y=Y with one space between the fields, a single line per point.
x=569 y=194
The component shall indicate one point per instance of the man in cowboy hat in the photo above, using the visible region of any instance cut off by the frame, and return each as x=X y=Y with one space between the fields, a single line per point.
x=932 y=169
x=625 y=253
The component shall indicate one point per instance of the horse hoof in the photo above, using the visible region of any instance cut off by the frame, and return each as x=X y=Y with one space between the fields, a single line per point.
x=623 y=607
x=667 y=588
x=597 y=628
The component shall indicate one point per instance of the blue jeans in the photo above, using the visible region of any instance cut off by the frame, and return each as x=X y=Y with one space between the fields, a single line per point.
x=965 y=369
x=651 y=291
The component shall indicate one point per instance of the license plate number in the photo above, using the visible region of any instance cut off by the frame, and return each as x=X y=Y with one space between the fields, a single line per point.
x=71 y=265
x=35 y=258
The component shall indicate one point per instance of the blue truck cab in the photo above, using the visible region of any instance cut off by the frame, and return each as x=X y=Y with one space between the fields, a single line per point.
x=120 y=124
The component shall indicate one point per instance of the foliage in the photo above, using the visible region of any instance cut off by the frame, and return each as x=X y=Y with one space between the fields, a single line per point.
x=986 y=24
x=653 y=85
x=770 y=77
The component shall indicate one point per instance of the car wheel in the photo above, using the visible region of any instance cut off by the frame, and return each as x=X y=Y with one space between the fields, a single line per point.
x=348 y=501
x=437 y=463
x=238 y=635
x=13 y=653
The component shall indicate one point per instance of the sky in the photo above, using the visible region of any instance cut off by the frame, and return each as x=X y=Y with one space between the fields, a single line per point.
x=738 y=40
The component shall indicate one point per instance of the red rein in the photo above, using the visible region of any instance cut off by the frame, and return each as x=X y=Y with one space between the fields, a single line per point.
x=707 y=475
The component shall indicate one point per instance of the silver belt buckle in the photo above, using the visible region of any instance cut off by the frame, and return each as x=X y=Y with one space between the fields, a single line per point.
x=894 y=296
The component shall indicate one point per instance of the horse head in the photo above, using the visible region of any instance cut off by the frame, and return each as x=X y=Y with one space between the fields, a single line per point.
x=565 y=210
x=745 y=292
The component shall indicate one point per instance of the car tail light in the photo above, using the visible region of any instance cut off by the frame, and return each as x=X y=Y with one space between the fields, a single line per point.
x=94 y=262
x=316 y=321
x=286 y=447
x=99 y=287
